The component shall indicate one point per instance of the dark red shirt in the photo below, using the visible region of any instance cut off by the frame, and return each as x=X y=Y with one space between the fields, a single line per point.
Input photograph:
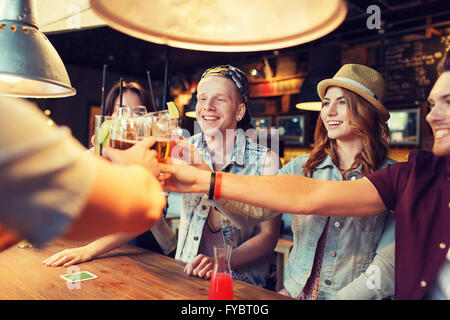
x=418 y=191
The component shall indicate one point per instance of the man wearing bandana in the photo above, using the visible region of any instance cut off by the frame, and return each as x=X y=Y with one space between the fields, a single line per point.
x=222 y=146
x=222 y=114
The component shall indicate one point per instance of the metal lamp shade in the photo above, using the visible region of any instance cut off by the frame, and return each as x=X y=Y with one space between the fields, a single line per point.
x=29 y=64
x=308 y=99
x=325 y=62
x=190 y=114
x=309 y=106
x=189 y=110
x=223 y=25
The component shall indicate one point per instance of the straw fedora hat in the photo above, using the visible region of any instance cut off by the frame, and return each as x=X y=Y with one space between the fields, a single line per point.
x=360 y=79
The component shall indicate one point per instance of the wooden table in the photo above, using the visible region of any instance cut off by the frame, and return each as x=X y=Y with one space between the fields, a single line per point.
x=127 y=272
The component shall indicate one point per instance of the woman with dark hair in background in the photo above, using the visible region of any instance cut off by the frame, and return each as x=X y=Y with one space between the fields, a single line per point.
x=133 y=94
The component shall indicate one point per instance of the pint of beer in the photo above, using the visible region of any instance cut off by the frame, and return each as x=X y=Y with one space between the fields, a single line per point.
x=162 y=148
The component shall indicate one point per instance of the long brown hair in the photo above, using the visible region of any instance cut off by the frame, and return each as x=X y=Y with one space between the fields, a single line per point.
x=367 y=124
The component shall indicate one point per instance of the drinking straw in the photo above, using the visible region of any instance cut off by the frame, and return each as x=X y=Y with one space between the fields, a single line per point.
x=151 y=90
x=102 y=107
x=120 y=92
x=103 y=90
x=166 y=77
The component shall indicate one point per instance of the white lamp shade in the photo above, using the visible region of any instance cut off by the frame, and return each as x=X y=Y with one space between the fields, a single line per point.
x=309 y=106
x=223 y=25
x=66 y=15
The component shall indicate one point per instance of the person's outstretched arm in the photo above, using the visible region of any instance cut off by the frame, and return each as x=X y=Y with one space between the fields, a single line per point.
x=50 y=187
x=244 y=215
x=283 y=193
x=67 y=257
x=122 y=198
x=71 y=256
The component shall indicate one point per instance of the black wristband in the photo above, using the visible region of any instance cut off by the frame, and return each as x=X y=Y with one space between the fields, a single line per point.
x=211 y=186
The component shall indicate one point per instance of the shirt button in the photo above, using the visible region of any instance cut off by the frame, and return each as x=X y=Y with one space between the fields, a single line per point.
x=307 y=273
x=203 y=208
x=328 y=282
x=442 y=245
x=195 y=238
x=353 y=178
x=312 y=244
x=337 y=224
x=423 y=284
x=332 y=254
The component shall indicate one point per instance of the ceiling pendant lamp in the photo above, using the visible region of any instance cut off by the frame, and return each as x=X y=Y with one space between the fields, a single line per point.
x=29 y=64
x=325 y=61
x=223 y=25
x=189 y=109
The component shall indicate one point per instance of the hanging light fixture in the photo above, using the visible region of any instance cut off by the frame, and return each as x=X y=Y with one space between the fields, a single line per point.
x=29 y=64
x=189 y=109
x=66 y=15
x=325 y=61
x=308 y=99
x=223 y=25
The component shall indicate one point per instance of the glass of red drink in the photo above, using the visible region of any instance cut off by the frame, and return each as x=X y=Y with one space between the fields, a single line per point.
x=221 y=283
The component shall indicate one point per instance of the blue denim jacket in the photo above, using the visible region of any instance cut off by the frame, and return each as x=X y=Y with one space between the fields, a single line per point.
x=353 y=246
x=247 y=158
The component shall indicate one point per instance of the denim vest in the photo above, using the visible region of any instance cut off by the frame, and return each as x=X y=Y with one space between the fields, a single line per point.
x=352 y=245
x=247 y=158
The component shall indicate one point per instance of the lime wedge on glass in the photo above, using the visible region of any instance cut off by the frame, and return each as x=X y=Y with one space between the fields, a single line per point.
x=173 y=110
x=104 y=133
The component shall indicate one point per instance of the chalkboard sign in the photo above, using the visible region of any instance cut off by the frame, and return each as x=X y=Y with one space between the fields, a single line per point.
x=409 y=68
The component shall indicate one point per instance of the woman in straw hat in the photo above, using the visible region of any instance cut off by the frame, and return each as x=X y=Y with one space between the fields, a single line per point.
x=334 y=257
x=331 y=255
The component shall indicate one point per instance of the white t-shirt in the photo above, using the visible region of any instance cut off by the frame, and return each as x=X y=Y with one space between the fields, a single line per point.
x=45 y=175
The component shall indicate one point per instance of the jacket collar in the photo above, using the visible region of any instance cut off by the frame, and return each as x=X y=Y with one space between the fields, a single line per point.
x=237 y=157
x=328 y=162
